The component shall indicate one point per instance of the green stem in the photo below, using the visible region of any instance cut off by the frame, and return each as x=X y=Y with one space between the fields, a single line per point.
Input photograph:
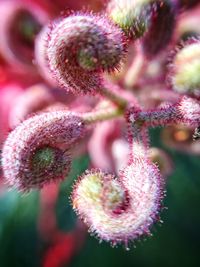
x=114 y=97
x=102 y=115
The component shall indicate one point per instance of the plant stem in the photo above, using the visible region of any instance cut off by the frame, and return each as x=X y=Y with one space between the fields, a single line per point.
x=114 y=97
x=138 y=138
x=185 y=111
x=102 y=115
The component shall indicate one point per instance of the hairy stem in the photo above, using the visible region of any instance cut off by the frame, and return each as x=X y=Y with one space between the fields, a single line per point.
x=159 y=117
x=186 y=111
x=138 y=138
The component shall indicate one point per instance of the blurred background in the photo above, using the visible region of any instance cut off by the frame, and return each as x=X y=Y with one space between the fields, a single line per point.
x=40 y=229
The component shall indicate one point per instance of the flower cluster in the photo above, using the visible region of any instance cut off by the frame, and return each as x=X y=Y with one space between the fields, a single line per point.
x=96 y=82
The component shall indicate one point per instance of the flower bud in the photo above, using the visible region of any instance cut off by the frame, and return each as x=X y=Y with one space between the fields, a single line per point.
x=37 y=151
x=119 y=209
x=187 y=26
x=80 y=47
x=185 y=68
x=132 y=16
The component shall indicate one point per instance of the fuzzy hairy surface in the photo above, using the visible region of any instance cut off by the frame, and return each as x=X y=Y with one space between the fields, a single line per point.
x=186 y=111
x=80 y=47
x=134 y=199
x=122 y=209
x=37 y=151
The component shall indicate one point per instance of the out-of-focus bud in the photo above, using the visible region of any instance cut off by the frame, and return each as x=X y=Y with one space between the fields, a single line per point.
x=132 y=16
x=187 y=26
x=185 y=68
x=20 y=23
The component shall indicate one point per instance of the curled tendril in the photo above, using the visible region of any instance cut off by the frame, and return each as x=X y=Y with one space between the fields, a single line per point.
x=121 y=209
x=80 y=47
x=38 y=150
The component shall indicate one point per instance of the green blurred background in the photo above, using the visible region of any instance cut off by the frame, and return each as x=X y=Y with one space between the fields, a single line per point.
x=174 y=243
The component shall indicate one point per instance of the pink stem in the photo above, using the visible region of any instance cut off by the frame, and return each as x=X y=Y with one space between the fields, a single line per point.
x=186 y=111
